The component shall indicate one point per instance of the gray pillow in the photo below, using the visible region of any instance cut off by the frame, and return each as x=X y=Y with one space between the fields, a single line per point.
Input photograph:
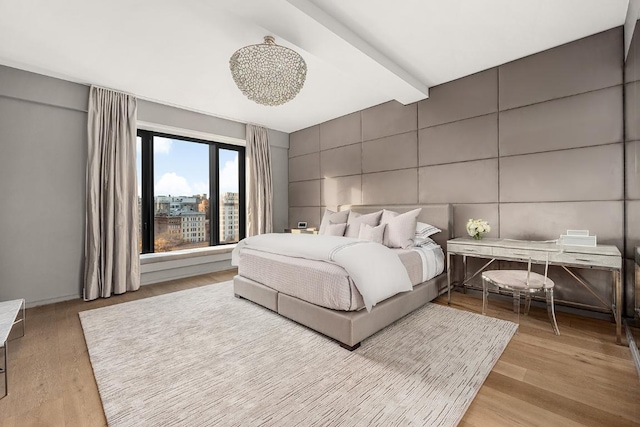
x=332 y=217
x=335 y=229
x=401 y=228
x=355 y=219
x=374 y=234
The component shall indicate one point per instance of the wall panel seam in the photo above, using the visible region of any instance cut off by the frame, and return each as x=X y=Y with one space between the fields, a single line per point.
x=498 y=142
x=459 y=161
x=305 y=180
x=302 y=155
x=561 y=97
x=458 y=120
x=364 y=141
x=563 y=149
x=530 y=202
x=392 y=170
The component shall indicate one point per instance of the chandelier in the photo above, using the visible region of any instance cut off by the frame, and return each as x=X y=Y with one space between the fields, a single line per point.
x=267 y=73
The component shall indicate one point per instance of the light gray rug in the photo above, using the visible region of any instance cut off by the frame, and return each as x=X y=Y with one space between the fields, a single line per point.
x=202 y=358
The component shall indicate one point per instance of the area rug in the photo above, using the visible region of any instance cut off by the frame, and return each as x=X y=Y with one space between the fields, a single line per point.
x=201 y=357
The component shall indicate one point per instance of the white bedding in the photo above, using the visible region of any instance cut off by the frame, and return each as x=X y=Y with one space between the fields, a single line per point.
x=376 y=270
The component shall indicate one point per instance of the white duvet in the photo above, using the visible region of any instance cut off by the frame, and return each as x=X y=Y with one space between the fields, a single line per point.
x=376 y=270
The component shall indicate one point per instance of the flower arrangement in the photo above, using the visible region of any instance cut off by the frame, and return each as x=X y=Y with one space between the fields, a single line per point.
x=477 y=228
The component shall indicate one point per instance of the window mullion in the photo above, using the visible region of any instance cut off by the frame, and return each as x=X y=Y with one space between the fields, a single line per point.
x=214 y=202
x=147 y=192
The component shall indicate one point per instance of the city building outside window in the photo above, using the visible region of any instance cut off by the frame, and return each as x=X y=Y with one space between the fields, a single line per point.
x=176 y=176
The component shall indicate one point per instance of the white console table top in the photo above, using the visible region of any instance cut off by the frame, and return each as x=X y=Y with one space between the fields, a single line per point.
x=8 y=312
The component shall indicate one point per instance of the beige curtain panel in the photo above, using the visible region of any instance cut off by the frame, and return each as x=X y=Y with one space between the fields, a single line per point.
x=260 y=185
x=112 y=264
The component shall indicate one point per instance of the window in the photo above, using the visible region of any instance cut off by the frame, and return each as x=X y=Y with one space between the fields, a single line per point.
x=190 y=192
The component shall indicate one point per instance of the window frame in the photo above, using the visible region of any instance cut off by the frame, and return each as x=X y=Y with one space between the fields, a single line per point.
x=147 y=213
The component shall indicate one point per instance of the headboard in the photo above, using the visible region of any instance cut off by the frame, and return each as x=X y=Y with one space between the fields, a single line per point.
x=439 y=215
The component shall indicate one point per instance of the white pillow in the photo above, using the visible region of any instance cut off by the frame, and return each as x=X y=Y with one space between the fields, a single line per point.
x=332 y=217
x=355 y=220
x=335 y=229
x=401 y=228
x=425 y=230
x=374 y=234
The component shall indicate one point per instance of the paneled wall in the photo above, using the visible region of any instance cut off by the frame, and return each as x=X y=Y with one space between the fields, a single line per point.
x=534 y=146
x=632 y=137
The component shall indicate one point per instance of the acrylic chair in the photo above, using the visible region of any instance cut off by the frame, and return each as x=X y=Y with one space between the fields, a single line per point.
x=521 y=282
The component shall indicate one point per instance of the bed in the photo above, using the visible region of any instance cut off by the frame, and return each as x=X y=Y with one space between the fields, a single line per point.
x=323 y=297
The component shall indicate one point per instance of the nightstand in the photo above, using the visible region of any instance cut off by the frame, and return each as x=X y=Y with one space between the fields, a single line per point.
x=301 y=230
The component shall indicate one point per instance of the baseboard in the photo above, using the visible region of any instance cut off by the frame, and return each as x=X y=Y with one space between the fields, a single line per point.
x=47 y=301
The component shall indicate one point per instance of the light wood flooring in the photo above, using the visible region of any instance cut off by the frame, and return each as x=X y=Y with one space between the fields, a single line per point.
x=578 y=378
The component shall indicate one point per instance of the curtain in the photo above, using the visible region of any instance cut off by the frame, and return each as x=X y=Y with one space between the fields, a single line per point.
x=260 y=188
x=112 y=264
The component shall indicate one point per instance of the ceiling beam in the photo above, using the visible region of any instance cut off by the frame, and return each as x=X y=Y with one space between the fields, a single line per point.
x=343 y=32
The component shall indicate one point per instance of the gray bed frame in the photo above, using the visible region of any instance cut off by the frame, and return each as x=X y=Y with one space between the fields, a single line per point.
x=349 y=328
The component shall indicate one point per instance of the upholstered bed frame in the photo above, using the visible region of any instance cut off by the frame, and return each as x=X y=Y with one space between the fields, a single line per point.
x=349 y=328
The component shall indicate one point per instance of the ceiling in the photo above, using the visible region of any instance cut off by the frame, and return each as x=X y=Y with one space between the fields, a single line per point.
x=359 y=53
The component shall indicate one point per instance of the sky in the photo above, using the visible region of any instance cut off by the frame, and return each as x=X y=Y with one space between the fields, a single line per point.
x=181 y=168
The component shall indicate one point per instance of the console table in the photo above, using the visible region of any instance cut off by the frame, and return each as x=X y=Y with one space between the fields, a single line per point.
x=9 y=311
x=601 y=257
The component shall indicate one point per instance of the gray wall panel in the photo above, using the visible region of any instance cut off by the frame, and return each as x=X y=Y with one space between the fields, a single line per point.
x=546 y=221
x=341 y=161
x=166 y=115
x=280 y=176
x=592 y=118
x=393 y=152
x=390 y=118
x=560 y=140
x=632 y=111
x=633 y=226
x=467 y=97
x=632 y=158
x=304 y=141
x=344 y=130
x=304 y=193
x=305 y=167
x=345 y=190
x=581 y=66
x=42 y=173
x=311 y=215
x=592 y=173
x=47 y=90
x=632 y=63
x=394 y=188
x=468 y=182
x=462 y=213
x=471 y=139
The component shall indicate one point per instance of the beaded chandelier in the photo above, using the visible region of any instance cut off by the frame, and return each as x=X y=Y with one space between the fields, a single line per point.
x=267 y=73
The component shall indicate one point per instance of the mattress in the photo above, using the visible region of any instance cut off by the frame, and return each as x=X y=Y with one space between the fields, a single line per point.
x=327 y=284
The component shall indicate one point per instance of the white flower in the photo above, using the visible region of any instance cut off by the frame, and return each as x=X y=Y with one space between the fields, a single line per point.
x=477 y=227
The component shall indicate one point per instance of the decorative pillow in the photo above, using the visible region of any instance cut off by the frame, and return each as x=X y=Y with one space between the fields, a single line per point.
x=335 y=229
x=332 y=217
x=426 y=230
x=374 y=234
x=401 y=228
x=355 y=220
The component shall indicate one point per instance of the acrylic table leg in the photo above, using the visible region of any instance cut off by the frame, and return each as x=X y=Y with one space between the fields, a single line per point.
x=449 y=258
x=617 y=309
x=464 y=274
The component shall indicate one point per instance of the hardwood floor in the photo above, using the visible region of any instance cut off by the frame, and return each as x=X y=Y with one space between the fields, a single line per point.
x=578 y=378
